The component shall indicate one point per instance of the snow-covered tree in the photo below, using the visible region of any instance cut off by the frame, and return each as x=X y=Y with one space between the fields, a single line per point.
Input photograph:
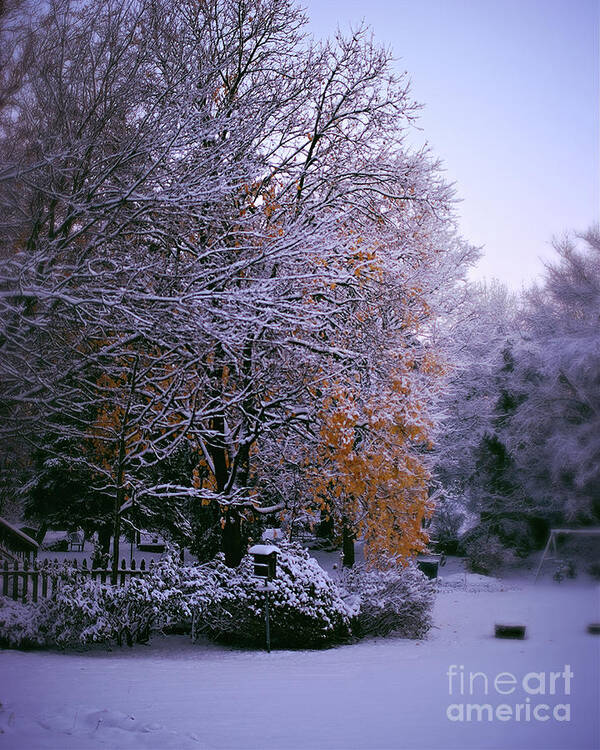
x=114 y=166
x=557 y=428
x=210 y=225
x=478 y=332
x=522 y=432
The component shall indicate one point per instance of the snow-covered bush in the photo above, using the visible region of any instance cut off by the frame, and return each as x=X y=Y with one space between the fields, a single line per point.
x=18 y=625
x=485 y=552
x=306 y=608
x=448 y=518
x=516 y=534
x=397 y=600
x=81 y=611
x=74 y=615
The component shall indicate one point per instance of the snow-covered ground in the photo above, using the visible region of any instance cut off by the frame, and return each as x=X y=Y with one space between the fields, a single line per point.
x=385 y=693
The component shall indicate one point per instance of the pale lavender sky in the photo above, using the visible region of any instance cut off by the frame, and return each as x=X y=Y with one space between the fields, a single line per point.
x=512 y=107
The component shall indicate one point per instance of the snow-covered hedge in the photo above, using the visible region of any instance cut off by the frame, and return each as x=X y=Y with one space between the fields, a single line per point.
x=89 y=612
x=81 y=611
x=306 y=608
x=485 y=552
x=18 y=625
x=397 y=600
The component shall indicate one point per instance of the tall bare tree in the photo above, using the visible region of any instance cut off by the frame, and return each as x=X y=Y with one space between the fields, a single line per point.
x=199 y=203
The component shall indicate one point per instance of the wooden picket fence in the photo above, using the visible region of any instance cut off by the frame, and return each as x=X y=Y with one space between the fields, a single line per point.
x=25 y=581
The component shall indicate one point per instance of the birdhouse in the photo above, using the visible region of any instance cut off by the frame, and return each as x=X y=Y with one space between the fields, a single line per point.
x=265 y=560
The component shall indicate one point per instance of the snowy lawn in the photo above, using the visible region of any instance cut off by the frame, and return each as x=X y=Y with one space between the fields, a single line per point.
x=388 y=693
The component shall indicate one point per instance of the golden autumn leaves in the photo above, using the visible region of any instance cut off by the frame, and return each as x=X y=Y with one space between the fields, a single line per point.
x=368 y=469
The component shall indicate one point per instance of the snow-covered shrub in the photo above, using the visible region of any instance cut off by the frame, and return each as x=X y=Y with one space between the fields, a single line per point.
x=81 y=611
x=516 y=534
x=18 y=625
x=306 y=608
x=396 y=600
x=75 y=614
x=485 y=552
x=448 y=518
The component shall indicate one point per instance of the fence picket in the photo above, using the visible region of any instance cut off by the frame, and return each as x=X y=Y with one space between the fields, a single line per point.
x=40 y=580
x=15 y=586
x=25 y=580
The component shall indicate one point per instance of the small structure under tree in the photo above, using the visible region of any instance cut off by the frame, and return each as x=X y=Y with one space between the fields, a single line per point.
x=15 y=544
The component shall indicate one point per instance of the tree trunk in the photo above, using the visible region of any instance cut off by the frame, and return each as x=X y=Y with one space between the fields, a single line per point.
x=325 y=528
x=119 y=497
x=347 y=544
x=120 y=489
x=232 y=539
x=104 y=535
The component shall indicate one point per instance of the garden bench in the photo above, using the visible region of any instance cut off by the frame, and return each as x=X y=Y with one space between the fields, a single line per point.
x=75 y=541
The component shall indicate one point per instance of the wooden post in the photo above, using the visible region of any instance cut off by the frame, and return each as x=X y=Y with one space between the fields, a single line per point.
x=34 y=581
x=45 y=579
x=5 y=579
x=267 y=623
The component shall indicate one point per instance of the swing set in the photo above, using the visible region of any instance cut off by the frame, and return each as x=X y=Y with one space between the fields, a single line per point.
x=551 y=546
